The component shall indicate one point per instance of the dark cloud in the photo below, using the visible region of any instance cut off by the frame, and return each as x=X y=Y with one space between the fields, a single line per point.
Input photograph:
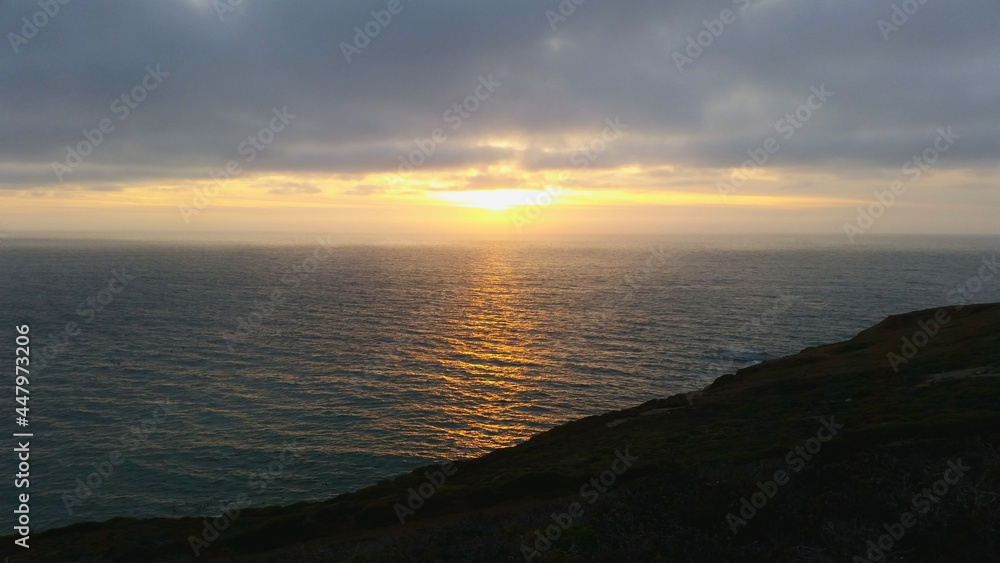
x=606 y=59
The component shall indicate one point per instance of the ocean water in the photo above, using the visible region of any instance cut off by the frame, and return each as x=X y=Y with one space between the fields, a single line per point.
x=295 y=372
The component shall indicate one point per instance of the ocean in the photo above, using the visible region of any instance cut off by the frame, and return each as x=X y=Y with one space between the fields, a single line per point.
x=168 y=378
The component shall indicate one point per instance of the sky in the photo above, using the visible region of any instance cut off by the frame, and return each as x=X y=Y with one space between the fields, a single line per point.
x=540 y=117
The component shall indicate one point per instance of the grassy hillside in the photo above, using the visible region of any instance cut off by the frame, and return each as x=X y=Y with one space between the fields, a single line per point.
x=803 y=458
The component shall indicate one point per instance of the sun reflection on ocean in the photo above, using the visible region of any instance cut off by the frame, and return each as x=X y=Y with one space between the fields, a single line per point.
x=485 y=354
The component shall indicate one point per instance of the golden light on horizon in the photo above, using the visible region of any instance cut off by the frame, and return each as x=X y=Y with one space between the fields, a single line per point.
x=494 y=200
x=491 y=199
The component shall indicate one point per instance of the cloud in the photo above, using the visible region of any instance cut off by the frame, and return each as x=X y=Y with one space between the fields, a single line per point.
x=558 y=86
x=295 y=188
x=103 y=188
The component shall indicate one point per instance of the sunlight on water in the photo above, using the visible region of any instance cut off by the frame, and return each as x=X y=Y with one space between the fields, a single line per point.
x=388 y=357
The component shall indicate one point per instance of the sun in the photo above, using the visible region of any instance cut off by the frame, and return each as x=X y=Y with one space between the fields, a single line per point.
x=495 y=200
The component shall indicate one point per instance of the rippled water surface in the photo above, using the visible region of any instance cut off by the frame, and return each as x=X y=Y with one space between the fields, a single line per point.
x=378 y=358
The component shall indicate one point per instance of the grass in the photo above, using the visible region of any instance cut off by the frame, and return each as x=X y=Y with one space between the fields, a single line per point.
x=696 y=461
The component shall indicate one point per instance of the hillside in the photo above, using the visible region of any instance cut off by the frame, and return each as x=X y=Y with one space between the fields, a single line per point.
x=818 y=456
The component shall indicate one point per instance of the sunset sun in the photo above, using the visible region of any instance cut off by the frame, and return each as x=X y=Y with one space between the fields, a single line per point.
x=495 y=200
